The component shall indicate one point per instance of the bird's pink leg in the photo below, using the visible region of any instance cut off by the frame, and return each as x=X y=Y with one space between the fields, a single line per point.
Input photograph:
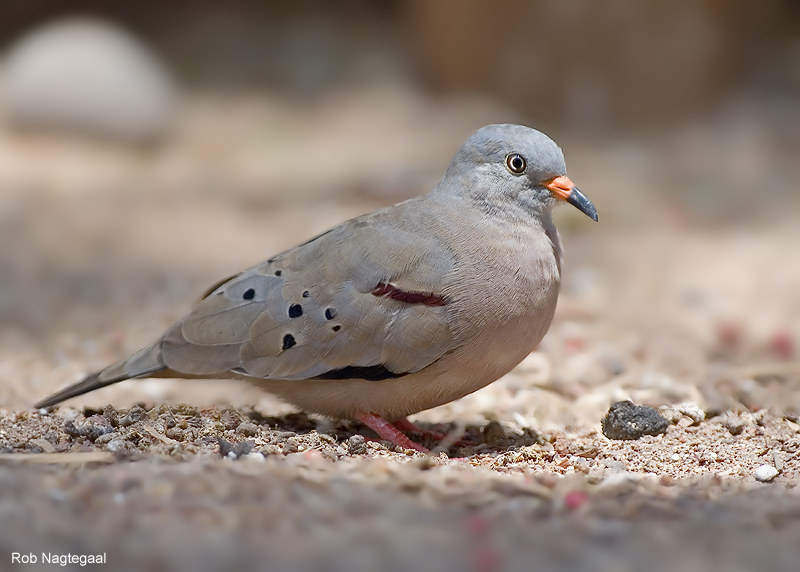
x=389 y=432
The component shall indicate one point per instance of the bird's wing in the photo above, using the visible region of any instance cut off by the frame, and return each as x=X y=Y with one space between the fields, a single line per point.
x=365 y=299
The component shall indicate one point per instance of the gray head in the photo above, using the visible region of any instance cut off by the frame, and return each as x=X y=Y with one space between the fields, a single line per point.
x=513 y=164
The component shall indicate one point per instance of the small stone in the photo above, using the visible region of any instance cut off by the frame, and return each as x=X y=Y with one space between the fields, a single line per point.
x=96 y=426
x=115 y=445
x=111 y=414
x=243 y=448
x=247 y=429
x=255 y=456
x=230 y=419
x=271 y=450
x=357 y=445
x=765 y=473
x=183 y=409
x=175 y=433
x=693 y=411
x=733 y=423
x=625 y=420
x=107 y=438
x=290 y=446
x=225 y=447
x=134 y=415
x=71 y=429
x=675 y=457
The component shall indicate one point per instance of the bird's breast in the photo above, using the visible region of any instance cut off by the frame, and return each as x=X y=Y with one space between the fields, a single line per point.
x=506 y=296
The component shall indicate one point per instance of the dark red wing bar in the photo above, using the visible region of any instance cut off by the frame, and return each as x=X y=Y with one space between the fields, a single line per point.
x=396 y=293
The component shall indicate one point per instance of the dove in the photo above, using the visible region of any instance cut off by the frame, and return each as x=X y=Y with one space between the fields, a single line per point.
x=393 y=312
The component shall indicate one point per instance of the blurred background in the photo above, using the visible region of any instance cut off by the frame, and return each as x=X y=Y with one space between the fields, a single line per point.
x=149 y=149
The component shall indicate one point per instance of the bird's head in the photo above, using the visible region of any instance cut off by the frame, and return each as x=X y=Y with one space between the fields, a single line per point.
x=506 y=162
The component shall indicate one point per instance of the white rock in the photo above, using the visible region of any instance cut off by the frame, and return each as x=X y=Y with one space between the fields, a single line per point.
x=693 y=411
x=88 y=76
x=765 y=473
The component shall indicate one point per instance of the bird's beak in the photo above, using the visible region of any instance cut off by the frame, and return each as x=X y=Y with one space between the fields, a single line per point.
x=565 y=190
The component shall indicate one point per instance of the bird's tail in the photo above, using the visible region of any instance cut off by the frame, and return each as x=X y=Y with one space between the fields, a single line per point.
x=143 y=363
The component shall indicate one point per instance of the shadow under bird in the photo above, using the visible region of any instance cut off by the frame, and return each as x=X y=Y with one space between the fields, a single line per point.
x=393 y=312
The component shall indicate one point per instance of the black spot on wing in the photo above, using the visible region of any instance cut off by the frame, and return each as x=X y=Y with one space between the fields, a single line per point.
x=288 y=342
x=249 y=294
x=295 y=311
x=370 y=373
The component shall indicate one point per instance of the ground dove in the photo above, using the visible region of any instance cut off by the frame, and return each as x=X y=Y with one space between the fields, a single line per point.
x=395 y=311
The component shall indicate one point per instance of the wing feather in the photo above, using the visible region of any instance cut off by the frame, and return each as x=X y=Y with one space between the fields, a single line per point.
x=312 y=310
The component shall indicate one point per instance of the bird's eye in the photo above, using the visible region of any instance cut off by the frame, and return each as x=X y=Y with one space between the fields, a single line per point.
x=516 y=163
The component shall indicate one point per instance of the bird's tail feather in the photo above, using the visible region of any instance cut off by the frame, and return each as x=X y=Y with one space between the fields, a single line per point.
x=143 y=363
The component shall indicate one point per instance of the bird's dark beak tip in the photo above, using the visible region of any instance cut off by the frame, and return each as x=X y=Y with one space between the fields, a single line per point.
x=582 y=203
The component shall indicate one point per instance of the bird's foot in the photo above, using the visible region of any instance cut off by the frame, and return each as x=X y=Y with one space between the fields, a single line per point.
x=456 y=438
x=389 y=432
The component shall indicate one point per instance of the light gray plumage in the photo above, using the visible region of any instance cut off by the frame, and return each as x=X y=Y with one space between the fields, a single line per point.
x=396 y=311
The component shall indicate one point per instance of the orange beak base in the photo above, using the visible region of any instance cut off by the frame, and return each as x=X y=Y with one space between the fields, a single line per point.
x=565 y=190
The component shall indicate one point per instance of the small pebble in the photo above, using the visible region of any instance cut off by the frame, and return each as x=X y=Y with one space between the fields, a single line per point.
x=243 y=448
x=733 y=423
x=675 y=457
x=290 y=446
x=693 y=411
x=230 y=419
x=765 y=473
x=247 y=429
x=225 y=447
x=106 y=438
x=115 y=445
x=134 y=415
x=357 y=445
x=625 y=420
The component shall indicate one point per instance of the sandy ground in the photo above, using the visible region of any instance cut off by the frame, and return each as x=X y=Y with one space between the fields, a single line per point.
x=683 y=298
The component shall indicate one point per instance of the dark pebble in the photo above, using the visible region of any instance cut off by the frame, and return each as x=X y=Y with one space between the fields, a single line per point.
x=134 y=415
x=626 y=420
